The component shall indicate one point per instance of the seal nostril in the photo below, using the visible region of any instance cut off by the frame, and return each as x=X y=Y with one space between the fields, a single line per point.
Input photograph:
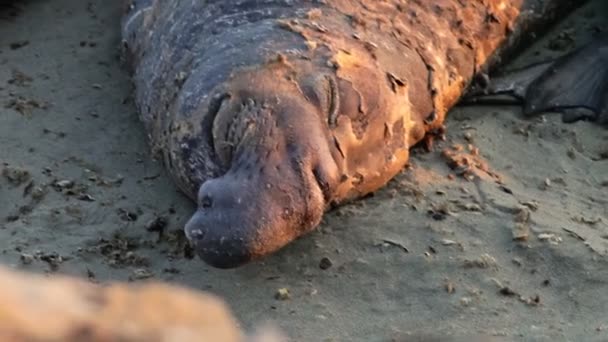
x=206 y=202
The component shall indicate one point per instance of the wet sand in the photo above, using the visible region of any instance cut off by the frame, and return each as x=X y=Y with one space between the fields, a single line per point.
x=432 y=252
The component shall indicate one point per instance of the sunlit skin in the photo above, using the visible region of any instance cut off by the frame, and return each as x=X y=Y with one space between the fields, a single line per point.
x=270 y=115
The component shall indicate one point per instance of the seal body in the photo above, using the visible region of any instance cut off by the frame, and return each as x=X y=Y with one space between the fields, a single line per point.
x=271 y=112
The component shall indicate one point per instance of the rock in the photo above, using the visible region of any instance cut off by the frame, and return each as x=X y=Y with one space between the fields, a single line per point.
x=325 y=263
x=62 y=309
x=282 y=294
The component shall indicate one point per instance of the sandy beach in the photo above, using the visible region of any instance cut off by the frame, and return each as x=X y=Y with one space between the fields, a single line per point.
x=519 y=251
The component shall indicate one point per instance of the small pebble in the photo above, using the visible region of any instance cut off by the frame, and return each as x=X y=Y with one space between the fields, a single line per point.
x=465 y=301
x=26 y=258
x=325 y=263
x=141 y=273
x=64 y=184
x=282 y=294
x=468 y=136
x=449 y=287
x=447 y=242
x=157 y=224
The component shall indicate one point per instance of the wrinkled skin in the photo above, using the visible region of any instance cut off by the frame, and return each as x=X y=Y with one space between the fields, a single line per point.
x=269 y=113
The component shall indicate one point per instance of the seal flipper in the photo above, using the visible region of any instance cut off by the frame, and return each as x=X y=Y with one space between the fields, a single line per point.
x=575 y=85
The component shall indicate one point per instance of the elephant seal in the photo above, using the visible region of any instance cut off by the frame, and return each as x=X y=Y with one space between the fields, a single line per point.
x=268 y=113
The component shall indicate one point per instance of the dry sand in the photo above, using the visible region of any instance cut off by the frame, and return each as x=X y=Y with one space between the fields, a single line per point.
x=427 y=253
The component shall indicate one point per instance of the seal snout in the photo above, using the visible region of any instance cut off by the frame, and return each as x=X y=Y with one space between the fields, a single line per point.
x=218 y=230
x=241 y=217
x=214 y=248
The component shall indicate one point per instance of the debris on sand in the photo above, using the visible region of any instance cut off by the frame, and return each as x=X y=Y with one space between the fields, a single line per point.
x=12 y=218
x=117 y=181
x=510 y=292
x=157 y=224
x=19 y=79
x=532 y=301
x=468 y=206
x=119 y=251
x=468 y=136
x=532 y=205
x=522 y=215
x=574 y=234
x=440 y=211
x=70 y=188
x=521 y=230
x=171 y=270
x=467 y=163
x=37 y=193
x=140 y=274
x=449 y=286
x=127 y=215
x=86 y=197
x=394 y=243
x=180 y=245
x=282 y=294
x=448 y=242
x=53 y=259
x=26 y=258
x=91 y=275
x=550 y=237
x=507 y=291
x=63 y=184
x=466 y=301
x=16 y=176
x=563 y=41
x=19 y=44
x=586 y=220
x=25 y=106
x=545 y=185
x=484 y=261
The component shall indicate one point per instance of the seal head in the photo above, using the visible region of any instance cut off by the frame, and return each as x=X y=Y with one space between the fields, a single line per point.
x=273 y=142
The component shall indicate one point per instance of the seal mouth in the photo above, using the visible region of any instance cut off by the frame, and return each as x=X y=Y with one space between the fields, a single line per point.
x=220 y=230
x=240 y=219
x=217 y=251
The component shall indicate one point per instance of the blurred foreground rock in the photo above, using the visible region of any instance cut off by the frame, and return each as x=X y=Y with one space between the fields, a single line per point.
x=34 y=308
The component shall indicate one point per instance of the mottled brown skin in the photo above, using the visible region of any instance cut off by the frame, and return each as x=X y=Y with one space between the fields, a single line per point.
x=271 y=113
